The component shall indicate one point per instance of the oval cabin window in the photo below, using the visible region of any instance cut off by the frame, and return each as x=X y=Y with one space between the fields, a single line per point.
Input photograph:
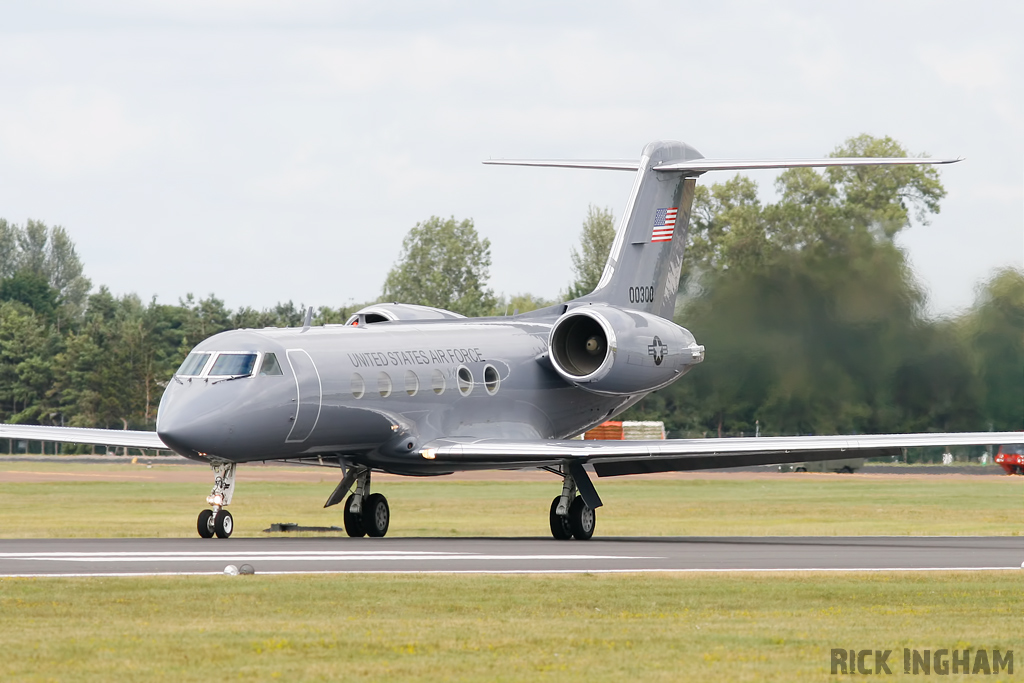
x=491 y=380
x=384 y=384
x=465 y=380
x=412 y=383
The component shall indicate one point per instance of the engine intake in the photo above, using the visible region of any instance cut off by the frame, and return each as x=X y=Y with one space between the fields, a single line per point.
x=581 y=345
x=609 y=350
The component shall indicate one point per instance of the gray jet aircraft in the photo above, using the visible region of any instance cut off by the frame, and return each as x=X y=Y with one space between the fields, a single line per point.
x=421 y=391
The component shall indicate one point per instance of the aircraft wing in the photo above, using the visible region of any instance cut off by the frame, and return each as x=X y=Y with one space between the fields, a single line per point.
x=613 y=458
x=100 y=437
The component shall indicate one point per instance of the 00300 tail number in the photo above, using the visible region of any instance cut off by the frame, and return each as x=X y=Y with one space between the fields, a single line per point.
x=641 y=295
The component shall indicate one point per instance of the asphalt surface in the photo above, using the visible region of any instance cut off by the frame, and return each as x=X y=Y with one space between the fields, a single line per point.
x=91 y=557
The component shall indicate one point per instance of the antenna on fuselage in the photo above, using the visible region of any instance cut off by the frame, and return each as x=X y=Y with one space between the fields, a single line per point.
x=309 y=319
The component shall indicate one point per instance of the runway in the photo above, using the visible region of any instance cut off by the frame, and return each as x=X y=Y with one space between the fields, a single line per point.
x=133 y=557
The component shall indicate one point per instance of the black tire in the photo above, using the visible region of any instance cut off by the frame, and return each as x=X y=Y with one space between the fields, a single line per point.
x=1018 y=469
x=205 y=524
x=560 y=528
x=223 y=524
x=846 y=470
x=582 y=519
x=799 y=469
x=376 y=515
x=353 y=521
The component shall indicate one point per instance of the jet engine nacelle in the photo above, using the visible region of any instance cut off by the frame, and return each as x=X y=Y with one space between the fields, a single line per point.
x=609 y=350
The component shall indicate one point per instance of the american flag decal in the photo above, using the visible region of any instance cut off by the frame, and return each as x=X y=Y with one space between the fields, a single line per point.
x=664 y=224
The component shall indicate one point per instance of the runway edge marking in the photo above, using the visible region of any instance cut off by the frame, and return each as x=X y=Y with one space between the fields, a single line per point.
x=525 y=571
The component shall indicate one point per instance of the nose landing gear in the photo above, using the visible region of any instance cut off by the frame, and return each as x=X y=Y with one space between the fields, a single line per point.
x=218 y=521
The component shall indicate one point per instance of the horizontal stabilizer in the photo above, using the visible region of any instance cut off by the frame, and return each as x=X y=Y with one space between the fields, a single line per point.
x=705 y=165
x=700 y=166
x=608 y=165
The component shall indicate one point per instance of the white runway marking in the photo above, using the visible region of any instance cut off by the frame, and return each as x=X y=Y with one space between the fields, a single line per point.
x=293 y=556
x=523 y=571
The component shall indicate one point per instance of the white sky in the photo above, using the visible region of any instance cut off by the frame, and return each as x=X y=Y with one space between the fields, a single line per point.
x=272 y=151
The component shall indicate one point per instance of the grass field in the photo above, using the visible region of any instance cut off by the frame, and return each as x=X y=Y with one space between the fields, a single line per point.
x=795 y=504
x=697 y=627
x=660 y=627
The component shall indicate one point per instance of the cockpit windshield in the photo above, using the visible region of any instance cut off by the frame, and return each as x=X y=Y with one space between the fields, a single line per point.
x=270 y=365
x=193 y=365
x=233 y=364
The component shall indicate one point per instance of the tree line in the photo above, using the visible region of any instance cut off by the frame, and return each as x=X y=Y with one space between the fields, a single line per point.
x=811 y=315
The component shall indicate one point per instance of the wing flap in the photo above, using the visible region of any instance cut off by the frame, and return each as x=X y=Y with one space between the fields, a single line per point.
x=612 y=458
x=100 y=437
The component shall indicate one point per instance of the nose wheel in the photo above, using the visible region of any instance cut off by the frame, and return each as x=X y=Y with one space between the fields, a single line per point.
x=217 y=521
x=211 y=524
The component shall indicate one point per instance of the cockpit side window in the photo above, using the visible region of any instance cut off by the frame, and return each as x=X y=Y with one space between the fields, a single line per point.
x=270 y=365
x=193 y=365
x=233 y=364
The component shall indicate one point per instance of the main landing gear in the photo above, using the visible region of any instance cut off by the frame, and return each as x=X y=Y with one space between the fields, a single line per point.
x=365 y=514
x=571 y=515
x=217 y=521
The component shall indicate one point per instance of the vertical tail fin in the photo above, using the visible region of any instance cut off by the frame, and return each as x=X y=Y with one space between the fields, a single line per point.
x=643 y=268
x=646 y=259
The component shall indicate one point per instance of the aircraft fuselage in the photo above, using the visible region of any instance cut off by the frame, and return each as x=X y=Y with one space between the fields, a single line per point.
x=375 y=393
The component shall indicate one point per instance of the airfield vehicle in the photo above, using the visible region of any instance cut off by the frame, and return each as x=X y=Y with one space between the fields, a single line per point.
x=841 y=466
x=1011 y=458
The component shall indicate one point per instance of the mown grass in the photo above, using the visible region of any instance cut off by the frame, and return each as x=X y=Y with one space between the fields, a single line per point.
x=700 y=627
x=809 y=504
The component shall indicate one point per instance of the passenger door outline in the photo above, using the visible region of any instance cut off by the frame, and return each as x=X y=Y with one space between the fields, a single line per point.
x=307 y=387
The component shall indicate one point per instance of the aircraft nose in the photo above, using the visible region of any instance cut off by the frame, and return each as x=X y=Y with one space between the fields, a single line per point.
x=188 y=427
x=182 y=432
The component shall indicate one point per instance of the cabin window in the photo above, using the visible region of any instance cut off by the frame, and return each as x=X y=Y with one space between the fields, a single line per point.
x=270 y=365
x=465 y=380
x=384 y=384
x=412 y=383
x=437 y=382
x=194 y=364
x=491 y=380
x=233 y=364
x=358 y=385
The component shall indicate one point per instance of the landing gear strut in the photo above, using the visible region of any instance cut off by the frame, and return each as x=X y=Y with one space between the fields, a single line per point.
x=571 y=515
x=217 y=521
x=365 y=514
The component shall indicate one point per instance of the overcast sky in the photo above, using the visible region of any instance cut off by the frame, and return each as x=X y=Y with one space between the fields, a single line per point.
x=273 y=151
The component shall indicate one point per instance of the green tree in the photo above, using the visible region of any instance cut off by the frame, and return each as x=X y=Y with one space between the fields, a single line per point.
x=26 y=350
x=32 y=290
x=995 y=335
x=443 y=263
x=521 y=303
x=46 y=252
x=596 y=240
x=812 y=319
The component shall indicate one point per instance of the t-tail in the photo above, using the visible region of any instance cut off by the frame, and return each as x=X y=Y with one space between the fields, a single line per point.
x=643 y=267
x=646 y=258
